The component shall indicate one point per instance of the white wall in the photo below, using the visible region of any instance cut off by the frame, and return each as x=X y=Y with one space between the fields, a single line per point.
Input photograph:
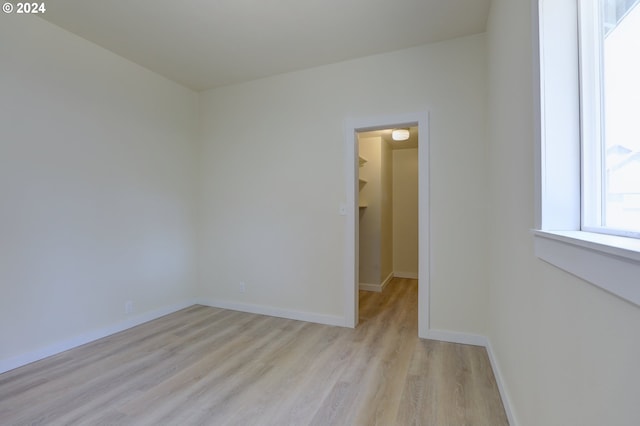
x=370 y=218
x=273 y=174
x=386 y=213
x=97 y=188
x=375 y=221
x=405 y=212
x=568 y=351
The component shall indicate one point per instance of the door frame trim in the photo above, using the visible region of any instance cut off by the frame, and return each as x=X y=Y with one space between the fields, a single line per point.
x=352 y=127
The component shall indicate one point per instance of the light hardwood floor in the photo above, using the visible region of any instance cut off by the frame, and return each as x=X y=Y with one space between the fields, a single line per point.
x=208 y=366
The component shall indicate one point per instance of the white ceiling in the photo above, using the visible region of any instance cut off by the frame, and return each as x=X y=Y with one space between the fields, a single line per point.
x=209 y=43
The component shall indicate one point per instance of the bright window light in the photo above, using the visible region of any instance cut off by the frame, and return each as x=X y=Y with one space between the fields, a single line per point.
x=610 y=89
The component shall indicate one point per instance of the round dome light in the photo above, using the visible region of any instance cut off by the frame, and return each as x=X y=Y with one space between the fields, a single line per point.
x=400 y=134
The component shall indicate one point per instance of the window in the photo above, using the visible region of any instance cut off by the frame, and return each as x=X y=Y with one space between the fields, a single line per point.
x=610 y=115
x=588 y=182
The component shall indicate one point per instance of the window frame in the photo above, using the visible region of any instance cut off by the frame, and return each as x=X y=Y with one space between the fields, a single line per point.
x=590 y=79
x=590 y=69
x=610 y=262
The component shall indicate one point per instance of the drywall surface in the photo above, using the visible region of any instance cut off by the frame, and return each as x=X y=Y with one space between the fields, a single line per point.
x=568 y=351
x=370 y=218
x=97 y=188
x=386 y=212
x=273 y=178
x=405 y=212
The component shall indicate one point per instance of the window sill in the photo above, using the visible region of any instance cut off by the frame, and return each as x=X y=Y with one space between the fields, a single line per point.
x=607 y=261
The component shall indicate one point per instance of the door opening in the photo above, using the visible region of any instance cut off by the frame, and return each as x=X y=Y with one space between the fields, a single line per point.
x=387 y=207
x=380 y=270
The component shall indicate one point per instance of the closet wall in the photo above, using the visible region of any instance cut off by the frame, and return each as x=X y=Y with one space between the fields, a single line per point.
x=376 y=218
x=405 y=213
x=388 y=200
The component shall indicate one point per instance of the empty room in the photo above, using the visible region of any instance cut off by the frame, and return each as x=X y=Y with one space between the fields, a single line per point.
x=182 y=213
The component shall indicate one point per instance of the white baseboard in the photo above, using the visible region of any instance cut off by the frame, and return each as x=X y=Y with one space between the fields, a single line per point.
x=409 y=275
x=376 y=287
x=479 y=340
x=82 y=339
x=506 y=401
x=275 y=312
x=457 y=337
x=387 y=280
x=370 y=287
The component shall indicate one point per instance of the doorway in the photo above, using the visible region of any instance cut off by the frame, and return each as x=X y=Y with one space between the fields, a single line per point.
x=419 y=122
x=387 y=206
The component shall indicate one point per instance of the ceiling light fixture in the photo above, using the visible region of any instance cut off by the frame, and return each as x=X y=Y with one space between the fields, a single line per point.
x=400 y=134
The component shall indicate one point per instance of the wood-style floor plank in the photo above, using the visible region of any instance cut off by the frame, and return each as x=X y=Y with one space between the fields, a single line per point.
x=209 y=366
